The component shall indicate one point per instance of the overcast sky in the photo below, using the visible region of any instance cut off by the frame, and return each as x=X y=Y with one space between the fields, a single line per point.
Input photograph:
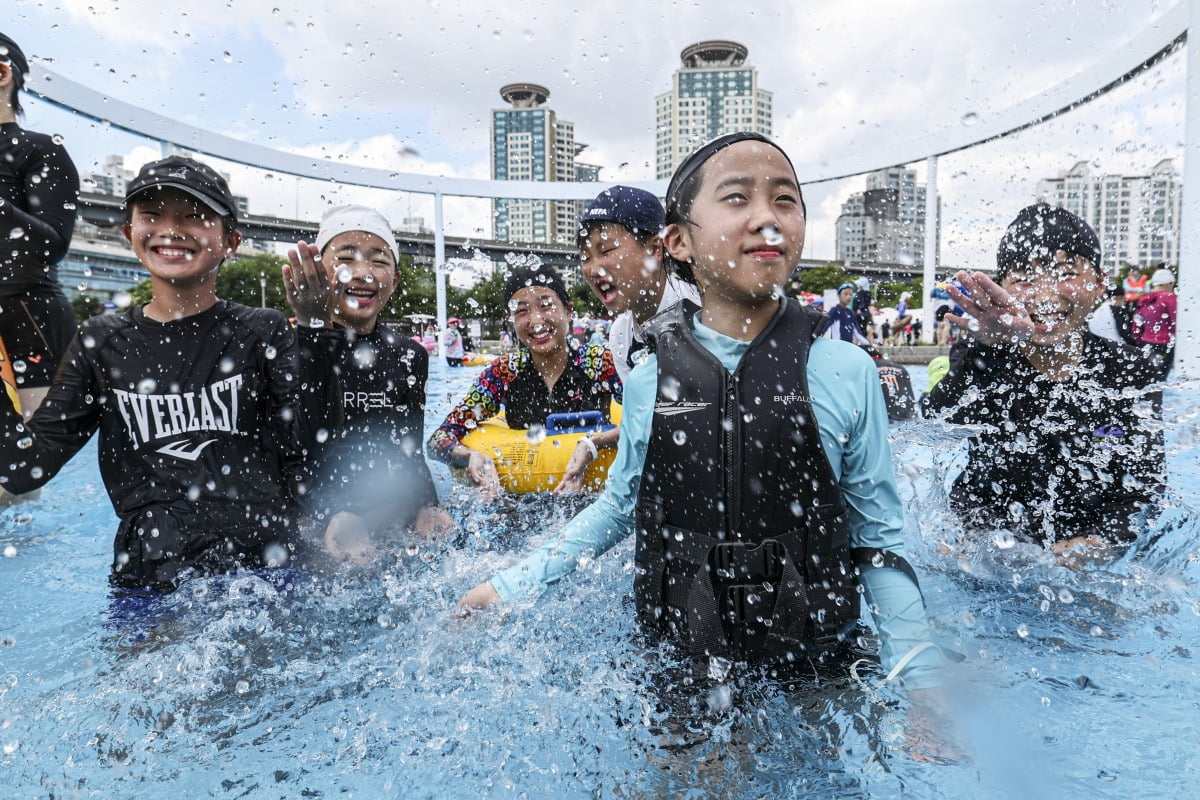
x=374 y=82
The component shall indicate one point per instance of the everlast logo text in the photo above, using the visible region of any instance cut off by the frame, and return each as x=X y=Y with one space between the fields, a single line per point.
x=150 y=417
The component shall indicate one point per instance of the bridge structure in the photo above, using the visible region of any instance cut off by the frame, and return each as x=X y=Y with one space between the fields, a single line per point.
x=1146 y=49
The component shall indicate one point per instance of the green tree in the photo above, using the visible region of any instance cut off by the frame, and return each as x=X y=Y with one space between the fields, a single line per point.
x=586 y=302
x=415 y=292
x=818 y=279
x=140 y=294
x=484 y=301
x=241 y=281
x=85 y=307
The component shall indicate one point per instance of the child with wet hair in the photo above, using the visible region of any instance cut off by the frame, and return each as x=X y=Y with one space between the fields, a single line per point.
x=1070 y=448
x=196 y=399
x=753 y=464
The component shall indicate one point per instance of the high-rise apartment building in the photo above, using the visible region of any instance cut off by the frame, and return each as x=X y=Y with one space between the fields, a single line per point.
x=886 y=222
x=1136 y=216
x=714 y=92
x=529 y=143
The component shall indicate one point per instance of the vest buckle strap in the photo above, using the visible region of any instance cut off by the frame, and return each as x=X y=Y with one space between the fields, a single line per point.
x=737 y=561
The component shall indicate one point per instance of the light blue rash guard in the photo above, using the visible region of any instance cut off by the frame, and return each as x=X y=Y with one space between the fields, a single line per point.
x=853 y=421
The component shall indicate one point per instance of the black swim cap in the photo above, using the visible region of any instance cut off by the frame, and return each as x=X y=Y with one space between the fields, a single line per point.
x=1040 y=231
x=538 y=275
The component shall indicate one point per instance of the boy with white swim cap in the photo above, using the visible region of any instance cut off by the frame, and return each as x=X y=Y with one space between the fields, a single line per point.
x=368 y=474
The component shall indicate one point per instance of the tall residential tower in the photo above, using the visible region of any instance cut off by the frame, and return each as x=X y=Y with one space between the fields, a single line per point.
x=529 y=143
x=714 y=92
x=1136 y=216
x=885 y=223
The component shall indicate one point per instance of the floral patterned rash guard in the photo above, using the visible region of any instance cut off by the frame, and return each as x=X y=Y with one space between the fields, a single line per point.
x=512 y=383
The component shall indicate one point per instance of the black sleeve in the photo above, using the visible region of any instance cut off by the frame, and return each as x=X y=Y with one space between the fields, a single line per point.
x=320 y=407
x=972 y=365
x=427 y=492
x=31 y=453
x=51 y=185
x=303 y=401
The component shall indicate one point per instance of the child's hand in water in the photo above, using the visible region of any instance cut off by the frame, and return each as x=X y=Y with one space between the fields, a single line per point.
x=572 y=479
x=432 y=522
x=481 y=597
x=347 y=536
x=929 y=733
x=481 y=470
x=309 y=292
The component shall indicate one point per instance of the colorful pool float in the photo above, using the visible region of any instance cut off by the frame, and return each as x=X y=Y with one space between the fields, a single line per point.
x=530 y=461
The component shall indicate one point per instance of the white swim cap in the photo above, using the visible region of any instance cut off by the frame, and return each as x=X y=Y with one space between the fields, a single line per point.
x=1161 y=276
x=341 y=219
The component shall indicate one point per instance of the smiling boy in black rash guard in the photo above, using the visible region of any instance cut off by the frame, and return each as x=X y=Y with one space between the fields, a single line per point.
x=368 y=475
x=1070 y=447
x=194 y=397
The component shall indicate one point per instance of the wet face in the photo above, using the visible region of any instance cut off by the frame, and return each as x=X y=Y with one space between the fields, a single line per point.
x=747 y=225
x=1058 y=292
x=363 y=270
x=177 y=237
x=540 y=318
x=621 y=270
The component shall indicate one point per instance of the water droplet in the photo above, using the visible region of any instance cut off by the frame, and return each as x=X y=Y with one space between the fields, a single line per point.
x=970 y=118
x=973 y=325
x=536 y=434
x=226 y=365
x=270 y=353
x=227 y=57
x=1023 y=630
x=1003 y=539
x=242 y=687
x=19 y=366
x=772 y=236
x=147 y=386
x=10 y=551
x=344 y=274
x=16 y=233
x=679 y=437
x=276 y=555
x=25 y=442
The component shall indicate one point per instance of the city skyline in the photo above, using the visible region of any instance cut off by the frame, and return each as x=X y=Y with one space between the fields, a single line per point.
x=300 y=80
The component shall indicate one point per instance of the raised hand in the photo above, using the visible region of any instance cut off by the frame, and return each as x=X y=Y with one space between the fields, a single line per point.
x=309 y=291
x=992 y=313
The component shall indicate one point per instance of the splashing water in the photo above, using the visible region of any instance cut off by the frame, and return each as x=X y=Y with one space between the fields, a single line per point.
x=362 y=681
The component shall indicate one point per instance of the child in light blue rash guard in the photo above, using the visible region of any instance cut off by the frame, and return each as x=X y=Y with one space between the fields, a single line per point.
x=842 y=380
x=753 y=465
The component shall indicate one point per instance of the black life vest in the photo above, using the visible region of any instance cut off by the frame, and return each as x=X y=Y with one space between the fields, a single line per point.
x=742 y=530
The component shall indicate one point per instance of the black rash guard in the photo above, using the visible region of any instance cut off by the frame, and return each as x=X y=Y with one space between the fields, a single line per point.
x=39 y=187
x=199 y=433
x=370 y=463
x=1054 y=460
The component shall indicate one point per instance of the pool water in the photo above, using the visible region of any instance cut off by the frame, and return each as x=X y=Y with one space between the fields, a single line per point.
x=363 y=683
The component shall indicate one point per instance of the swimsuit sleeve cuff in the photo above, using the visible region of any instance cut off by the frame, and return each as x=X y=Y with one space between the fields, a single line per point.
x=926 y=669
x=511 y=585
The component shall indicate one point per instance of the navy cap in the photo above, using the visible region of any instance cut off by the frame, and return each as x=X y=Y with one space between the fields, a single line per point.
x=10 y=52
x=1040 y=231
x=189 y=176
x=636 y=209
